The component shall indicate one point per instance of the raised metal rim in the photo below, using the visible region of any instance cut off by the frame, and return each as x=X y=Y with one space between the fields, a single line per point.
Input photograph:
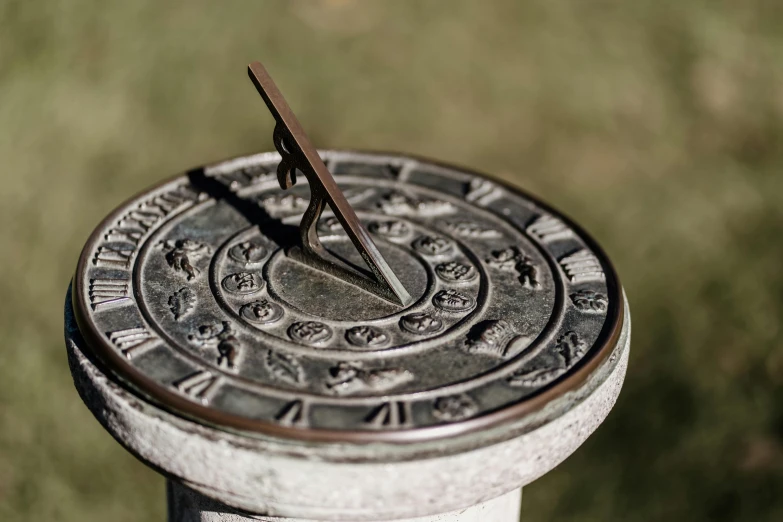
x=170 y=401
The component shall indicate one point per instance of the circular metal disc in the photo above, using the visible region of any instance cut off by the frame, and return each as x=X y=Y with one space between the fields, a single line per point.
x=186 y=293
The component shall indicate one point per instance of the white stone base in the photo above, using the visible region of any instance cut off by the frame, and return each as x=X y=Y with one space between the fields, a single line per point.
x=187 y=505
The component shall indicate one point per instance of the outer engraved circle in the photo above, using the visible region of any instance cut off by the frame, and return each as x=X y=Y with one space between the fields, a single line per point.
x=447 y=271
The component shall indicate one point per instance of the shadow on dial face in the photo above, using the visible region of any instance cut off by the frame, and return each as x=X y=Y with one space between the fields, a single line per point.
x=320 y=294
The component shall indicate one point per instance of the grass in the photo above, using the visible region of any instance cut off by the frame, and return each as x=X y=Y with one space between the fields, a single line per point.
x=656 y=124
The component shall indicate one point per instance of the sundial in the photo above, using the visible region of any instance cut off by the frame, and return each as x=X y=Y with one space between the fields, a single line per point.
x=328 y=312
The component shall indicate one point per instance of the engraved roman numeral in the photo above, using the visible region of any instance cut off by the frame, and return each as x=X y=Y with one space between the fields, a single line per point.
x=384 y=170
x=131 y=235
x=166 y=202
x=105 y=293
x=548 y=228
x=244 y=177
x=201 y=385
x=582 y=266
x=403 y=172
x=132 y=341
x=114 y=256
x=293 y=414
x=482 y=192
x=143 y=219
x=391 y=415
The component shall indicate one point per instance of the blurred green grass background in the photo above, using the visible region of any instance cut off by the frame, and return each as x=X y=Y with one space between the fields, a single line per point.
x=657 y=124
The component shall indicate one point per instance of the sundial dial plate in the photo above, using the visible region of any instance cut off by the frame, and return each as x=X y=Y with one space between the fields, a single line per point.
x=187 y=294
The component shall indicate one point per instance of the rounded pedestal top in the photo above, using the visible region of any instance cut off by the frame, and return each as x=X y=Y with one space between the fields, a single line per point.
x=187 y=293
x=191 y=318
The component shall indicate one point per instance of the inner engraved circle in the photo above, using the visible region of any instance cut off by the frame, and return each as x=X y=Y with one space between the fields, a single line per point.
x=324 y=296
x=391 y=331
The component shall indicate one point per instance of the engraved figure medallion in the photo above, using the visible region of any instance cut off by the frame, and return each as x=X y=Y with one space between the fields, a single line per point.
x=453 y=301
x=262 y=311
x=421 y=323
x=248 y=252
x=432 y=246
x=243 y=283
x=366 y=336
x=455 y=271
x=310 y=332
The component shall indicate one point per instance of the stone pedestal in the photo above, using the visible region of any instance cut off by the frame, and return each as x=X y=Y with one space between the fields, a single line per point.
x=268 y=379
x=216 y=475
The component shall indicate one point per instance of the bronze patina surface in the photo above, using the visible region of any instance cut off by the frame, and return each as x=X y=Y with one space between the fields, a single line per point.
x=185 y=297
x=298 y=154
x=481 y=304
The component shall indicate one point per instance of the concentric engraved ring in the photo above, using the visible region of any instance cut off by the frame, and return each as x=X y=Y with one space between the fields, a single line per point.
x=190 y=298
x=305 y=295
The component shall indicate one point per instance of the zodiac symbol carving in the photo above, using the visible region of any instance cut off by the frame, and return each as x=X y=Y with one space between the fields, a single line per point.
x=347 y=378
x=182 y=253
x=453 y=301
x=366 y=336
x=513 y=259
x=262 y=311
x=220 y=336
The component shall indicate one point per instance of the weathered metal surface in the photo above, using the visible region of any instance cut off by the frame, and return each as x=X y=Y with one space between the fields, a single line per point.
x=298 y=155
x=264 y=367
x=187 y=294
